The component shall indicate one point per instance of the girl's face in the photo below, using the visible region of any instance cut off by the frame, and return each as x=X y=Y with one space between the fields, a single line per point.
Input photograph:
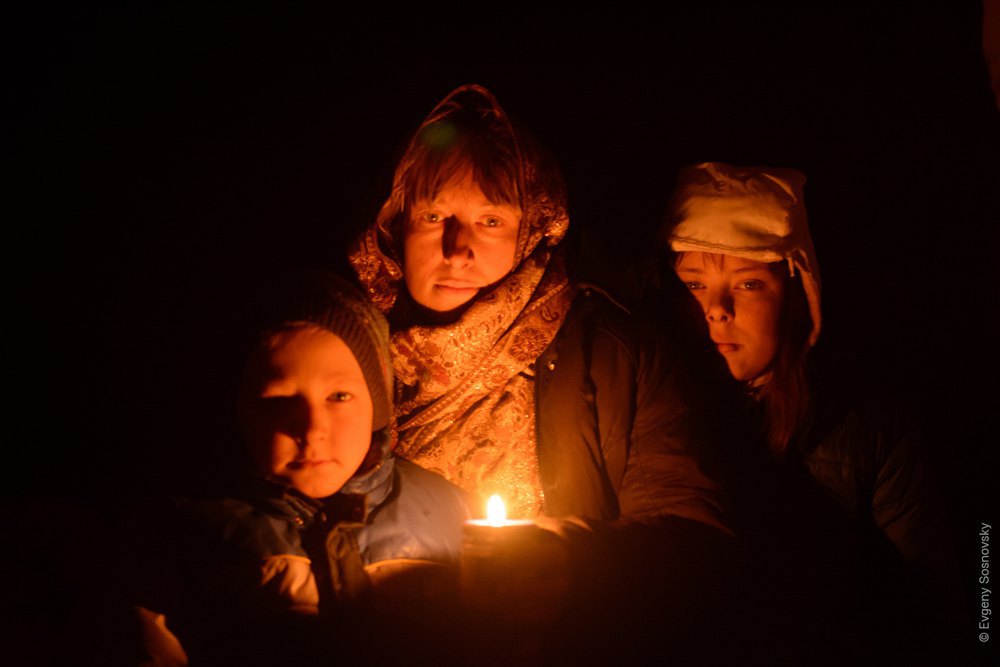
x=742 y=300
x=457 y=244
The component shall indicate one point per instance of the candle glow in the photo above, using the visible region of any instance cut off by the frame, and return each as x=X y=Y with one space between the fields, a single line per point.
x=505 y=565
x=496 y=512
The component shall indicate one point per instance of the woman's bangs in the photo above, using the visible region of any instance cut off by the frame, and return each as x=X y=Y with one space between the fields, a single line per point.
x=498 y=182
x=494 y=170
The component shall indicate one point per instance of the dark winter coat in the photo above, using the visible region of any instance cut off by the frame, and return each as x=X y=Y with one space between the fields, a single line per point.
x=620 y=426
x=853 y=553
x=625 y=437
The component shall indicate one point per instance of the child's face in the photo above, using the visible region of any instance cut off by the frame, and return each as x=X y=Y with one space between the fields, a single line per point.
x=306 y=411
x=742 y=300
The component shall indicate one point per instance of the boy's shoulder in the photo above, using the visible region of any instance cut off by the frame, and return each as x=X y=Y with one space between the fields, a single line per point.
x=421 y=519
x=238 y=525
x=419 y=485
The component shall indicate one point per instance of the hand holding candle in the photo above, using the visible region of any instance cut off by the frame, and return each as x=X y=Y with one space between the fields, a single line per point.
x=513 y=569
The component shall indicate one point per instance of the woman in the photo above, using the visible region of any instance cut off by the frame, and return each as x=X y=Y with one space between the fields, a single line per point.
x=865 y=506
x=510 y=378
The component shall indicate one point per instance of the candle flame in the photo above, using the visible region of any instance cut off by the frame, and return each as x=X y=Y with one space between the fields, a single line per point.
x=496 y=513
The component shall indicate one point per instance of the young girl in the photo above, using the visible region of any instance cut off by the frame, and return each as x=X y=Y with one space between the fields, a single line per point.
x=853 y=487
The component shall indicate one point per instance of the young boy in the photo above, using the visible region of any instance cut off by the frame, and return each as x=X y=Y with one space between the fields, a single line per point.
x=329 y=531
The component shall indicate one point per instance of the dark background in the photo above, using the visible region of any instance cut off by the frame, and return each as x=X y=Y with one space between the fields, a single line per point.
x=158 y=155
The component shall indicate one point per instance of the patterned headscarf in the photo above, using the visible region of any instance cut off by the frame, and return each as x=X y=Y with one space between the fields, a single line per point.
x=465 y=391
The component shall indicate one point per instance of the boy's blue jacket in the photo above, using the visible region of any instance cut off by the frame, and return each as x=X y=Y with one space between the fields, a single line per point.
x=271 y=564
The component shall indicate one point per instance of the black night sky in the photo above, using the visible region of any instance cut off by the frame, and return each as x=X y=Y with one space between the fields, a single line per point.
x=158 y=155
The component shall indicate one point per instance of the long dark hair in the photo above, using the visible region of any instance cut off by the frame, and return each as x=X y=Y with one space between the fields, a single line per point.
x=786 y=398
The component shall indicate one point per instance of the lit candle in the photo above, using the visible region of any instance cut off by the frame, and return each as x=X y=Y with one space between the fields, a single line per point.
x=496 y=517
x=494 y=551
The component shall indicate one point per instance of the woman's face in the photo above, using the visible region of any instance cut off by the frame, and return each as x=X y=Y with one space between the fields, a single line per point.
x=457 y=244
x=742 y=301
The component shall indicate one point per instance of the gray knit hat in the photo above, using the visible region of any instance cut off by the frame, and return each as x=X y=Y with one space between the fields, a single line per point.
x=329 y=301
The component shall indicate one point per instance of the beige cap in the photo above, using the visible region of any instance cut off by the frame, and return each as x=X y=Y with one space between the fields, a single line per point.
x=752 y=212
